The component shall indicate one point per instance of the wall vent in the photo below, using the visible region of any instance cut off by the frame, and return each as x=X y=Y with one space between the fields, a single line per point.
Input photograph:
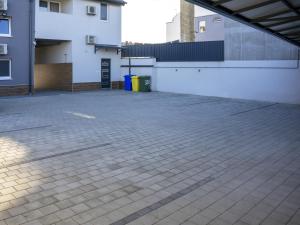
x=3 y=49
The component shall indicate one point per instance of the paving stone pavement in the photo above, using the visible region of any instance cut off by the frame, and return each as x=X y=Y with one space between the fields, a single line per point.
x=116 y=158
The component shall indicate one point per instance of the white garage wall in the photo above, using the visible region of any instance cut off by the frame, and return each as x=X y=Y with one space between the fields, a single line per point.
x=275 y=81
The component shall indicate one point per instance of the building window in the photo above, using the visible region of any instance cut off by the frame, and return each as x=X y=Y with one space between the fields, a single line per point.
x=54 y=7
x=104 y=11
x=44 y=6
x=49 y=6
x=5 y=27
x=5 y=68
x=202 y=26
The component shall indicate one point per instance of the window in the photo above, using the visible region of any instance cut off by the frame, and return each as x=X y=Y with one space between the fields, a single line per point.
x=54 y=7
x=202 y=26
x=104 y=11
x=4 y=69
x=44 y=6
x=49 y=6
x=5 y=27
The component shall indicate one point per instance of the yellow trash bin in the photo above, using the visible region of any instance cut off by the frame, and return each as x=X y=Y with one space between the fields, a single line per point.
x=135 y=83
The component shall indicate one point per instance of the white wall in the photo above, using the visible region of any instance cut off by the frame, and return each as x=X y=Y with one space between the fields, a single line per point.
x=173 y=29
x=74 y=27
x=274 y=81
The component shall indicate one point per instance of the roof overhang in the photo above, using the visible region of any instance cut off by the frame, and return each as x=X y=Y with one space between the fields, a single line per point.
x=108 y=47
x=280 y=18
x=114 y=2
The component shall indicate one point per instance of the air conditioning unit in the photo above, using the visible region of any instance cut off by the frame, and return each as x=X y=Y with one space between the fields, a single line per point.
x=3 y=5
x=3 y=49
x=90 y=40
x=91 y=10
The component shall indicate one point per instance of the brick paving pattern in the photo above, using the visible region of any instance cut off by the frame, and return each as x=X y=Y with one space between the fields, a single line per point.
x=116 y=158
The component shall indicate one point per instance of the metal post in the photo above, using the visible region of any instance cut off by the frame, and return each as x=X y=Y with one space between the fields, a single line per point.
x=129 y=66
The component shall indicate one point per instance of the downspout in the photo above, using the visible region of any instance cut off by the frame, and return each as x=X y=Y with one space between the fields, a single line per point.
x=31 y=46
x=129 y=65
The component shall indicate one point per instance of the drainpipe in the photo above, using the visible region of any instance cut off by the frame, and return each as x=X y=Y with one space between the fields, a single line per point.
x=31 y=46
x=129 y=66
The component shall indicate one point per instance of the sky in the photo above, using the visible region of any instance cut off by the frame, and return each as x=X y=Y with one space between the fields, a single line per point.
x=145 y=21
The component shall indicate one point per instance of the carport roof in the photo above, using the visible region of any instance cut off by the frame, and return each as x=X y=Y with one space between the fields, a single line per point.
x=278 y=17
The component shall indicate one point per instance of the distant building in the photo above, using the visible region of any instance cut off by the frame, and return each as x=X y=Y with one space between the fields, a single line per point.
x=173 y=29
x=181 y=28
x=209 y=28
x=241 y=42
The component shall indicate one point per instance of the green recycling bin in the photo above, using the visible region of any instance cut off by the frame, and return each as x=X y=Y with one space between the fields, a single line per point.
x=145 y=83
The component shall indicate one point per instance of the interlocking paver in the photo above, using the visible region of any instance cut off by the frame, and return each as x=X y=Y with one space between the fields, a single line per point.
x=113 y=157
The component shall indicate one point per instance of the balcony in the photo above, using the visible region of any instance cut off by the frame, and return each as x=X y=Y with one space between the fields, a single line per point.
x=53 y=18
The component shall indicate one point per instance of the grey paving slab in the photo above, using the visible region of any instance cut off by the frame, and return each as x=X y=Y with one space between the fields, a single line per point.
x=114 y=157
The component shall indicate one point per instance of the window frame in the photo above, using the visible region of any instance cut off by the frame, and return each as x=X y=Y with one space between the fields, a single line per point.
x=202 y=26
x=107 y=11
x=9 y=27
x=59 y=6
x=9 y=76
x=48 y=6
x=43 y=7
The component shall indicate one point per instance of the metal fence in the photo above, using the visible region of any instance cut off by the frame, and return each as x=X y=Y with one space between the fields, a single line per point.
x=178 y=52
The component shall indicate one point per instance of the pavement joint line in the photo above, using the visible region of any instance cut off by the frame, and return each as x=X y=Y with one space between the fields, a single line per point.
x=55 y=155
x=24 y=129
x=142 y=212
x=199 y=103
x=254 y=109
x=9 y=114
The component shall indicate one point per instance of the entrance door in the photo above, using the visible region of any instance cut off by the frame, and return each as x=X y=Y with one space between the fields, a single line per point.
x=105 y=73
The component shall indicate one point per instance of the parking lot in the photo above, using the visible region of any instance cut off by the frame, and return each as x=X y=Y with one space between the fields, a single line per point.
x=116 y=158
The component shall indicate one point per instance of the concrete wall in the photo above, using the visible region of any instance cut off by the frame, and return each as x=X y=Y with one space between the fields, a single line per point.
x=74 y=27
x=53 y=77
x=18 y=43
x=215 y=30
x=173 y=29
x=246 y=43
x=274 y=81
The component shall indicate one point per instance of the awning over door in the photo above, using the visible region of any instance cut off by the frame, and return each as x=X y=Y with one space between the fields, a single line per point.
x=280 y=18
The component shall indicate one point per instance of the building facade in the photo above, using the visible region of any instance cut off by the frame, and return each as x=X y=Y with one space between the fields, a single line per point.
x=209 y=28
x=16 y=39
x=78 y=44
x=173 y=29
x=59 y=45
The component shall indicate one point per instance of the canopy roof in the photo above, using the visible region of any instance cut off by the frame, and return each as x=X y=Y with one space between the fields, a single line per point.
x=278 y=17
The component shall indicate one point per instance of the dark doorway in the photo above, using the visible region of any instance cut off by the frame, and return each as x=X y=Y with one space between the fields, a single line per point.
x=105 y=73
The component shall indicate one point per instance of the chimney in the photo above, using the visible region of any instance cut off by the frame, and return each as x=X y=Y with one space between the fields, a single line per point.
x=187 y=13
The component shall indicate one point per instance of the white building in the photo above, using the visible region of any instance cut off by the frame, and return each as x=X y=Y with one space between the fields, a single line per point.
x=78 y=44
x=173 y=29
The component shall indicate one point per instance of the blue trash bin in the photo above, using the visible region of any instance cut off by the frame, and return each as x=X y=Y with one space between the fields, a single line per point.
x=128 y=84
